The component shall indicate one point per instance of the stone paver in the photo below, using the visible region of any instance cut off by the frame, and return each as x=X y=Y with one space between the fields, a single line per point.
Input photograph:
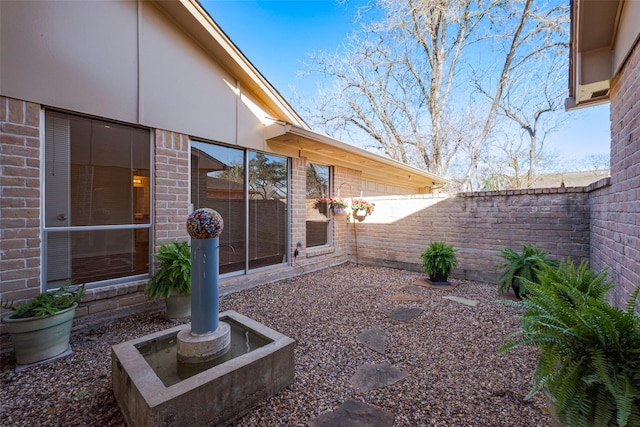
x=354 y=414
x=375 y=339
x=465 y=301
x=413 y=289
x=426 y=284
x=372 y=376
x=405 y=297
x=405 y=314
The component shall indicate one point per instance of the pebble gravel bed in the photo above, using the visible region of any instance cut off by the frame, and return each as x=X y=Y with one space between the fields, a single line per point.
x=455 y=376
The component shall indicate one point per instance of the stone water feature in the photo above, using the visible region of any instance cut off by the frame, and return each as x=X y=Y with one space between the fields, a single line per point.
x=208 y=372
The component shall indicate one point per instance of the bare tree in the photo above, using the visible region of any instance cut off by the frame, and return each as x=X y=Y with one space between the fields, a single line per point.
x=539 y=35
x=531 y=96
x=594 y=162
x=401 y=82
x=504 y=167
x=392 y=81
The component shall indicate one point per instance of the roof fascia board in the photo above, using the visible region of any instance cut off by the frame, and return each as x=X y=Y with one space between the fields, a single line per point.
x=281 y=128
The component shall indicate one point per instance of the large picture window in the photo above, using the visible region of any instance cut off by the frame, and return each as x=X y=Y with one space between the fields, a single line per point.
x=97 y=200
x=318 y=224
x=250 y=191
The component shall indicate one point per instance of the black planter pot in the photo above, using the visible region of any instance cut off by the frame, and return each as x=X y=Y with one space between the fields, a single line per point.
x=515 y=285
x=438 y=277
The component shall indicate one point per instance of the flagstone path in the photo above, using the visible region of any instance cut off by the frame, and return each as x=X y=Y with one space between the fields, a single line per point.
x=354 y=414
x=370 y=376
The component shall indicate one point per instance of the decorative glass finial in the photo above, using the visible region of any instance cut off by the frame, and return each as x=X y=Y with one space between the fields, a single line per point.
x=204 y=223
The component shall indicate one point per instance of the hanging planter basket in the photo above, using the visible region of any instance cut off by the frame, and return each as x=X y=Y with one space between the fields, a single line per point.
x=338 y=210
x=361 y=207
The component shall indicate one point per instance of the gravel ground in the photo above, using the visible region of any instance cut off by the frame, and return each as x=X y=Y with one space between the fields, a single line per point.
x=455 y=376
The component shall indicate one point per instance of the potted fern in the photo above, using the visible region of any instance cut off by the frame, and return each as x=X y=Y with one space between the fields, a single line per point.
x=40 y=329
x=521 y=268
x=438 y=259
x=589 y=362
x=173 y=280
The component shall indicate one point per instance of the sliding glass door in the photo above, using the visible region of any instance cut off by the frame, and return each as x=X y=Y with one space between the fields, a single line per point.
x=250 y=191
x=268 y=184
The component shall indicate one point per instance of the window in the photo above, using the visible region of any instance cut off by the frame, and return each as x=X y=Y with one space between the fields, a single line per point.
x=252 y=200
x=318 y=212
x=97 y=200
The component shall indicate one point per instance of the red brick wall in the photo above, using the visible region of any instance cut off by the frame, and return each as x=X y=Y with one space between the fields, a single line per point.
x=615 y=224
x=348 y=182
x=316 y=258
x=171 y=189
x=20 y=255
x=20 y=196
x=478 y=225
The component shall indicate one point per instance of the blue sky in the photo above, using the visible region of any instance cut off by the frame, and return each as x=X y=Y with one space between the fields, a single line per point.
x=276 y=35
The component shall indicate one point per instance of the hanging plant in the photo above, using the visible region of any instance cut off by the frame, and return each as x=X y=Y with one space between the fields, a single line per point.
x=362 y=205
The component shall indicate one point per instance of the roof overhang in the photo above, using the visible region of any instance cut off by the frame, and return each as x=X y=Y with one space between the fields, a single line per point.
x=296 y=141
x=194 y=20
x=593 y=29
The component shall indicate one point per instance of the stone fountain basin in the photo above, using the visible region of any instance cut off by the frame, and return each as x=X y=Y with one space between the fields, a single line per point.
x=216 y=396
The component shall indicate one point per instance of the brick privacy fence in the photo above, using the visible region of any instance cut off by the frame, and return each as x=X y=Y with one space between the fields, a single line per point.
x=477 y=224
x=615 y=211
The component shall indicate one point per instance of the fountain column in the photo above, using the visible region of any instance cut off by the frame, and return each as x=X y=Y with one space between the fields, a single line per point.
x=207 y=338
x=204 y=286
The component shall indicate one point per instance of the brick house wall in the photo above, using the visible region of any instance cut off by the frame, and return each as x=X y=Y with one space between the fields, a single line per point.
x=20 y=228
x=315 y=258
x=20 y=199
x=615 y=232
x=478 y=225
x=20 y=209
x=171 y=187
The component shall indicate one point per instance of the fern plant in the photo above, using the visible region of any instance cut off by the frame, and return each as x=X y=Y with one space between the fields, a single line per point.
x=47 y=303
x=521 y=268
x=589 y=361
x=438 y=259
x=174 y=275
